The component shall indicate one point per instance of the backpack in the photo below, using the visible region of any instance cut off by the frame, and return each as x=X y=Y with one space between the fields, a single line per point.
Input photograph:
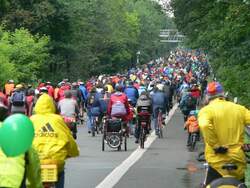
x=91 y=99
x=190 y=101
x=118 y=109
x=18 y=99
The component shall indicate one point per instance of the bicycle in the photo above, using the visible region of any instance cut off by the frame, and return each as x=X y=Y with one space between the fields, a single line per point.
x=193 y=139
x=114 y=134
x=159 y=127
x=142 y=124
x=226 y=181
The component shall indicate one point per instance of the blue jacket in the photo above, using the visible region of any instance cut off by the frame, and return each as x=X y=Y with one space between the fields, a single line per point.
x=84 y=92
x=132 y=94
x=159 y=100
x=94 y=109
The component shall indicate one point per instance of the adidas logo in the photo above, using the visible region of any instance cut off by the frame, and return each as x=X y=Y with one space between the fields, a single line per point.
x=46 y=131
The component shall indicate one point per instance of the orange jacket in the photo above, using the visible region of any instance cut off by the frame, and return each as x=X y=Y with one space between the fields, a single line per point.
x=192 y=124
x=9 y=88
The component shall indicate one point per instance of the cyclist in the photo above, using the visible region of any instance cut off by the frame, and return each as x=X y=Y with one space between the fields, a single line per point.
x=118 y=106
x=9 y=87
x=159 y=101
x=192 y=126
x=144 y=110
x=76 y=93
x=84 y=94
x=18 y=100
x=50 y=89
x=187 y=104
x=93 y=108
x=53 y=139
x=222 y=124
x=132 y=93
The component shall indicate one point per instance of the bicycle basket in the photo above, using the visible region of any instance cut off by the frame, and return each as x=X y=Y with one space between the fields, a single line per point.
x=114 y=125
x=49 y=173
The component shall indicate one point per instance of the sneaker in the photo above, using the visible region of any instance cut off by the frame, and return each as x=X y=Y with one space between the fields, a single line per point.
x=137 y=141
x=89 y=132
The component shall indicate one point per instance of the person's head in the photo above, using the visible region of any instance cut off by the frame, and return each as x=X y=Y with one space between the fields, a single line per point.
x=118 y=88
x=19 y=87
x=48 y=83
x=214 y=90
x=43 y=90
x=93 y=90
x=11 y=81
x=74 y=85
x=106 y=88
x=67 y=94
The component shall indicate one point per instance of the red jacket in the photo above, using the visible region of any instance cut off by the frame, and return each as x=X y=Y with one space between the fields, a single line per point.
x=50 y=91
x=3 y=98
x=61 y=92
x=118 y=96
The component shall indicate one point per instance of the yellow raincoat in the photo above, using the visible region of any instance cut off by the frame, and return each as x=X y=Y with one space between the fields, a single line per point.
x=53 y=139
x=12 y=170
x=222 y=124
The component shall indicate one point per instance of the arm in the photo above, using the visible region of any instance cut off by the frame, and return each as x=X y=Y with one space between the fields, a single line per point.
x=247 y=117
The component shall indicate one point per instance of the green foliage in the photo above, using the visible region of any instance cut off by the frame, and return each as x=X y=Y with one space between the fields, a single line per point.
x=222 y=29
x=90 y=37
x=22 y=55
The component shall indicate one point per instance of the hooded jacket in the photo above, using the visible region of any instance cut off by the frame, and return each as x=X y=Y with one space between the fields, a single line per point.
x=222 y=124
x=53 y=139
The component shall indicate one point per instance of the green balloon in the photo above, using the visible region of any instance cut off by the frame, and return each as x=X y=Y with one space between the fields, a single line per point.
x=16 y=135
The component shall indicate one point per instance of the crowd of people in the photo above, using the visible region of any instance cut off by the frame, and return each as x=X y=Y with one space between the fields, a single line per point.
x=180 y=78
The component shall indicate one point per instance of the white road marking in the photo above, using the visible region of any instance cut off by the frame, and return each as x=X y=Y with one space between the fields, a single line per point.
x=113 y=178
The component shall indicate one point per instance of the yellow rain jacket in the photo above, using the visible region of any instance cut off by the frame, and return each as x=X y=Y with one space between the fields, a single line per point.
x=222 y=123
x=53 y=139
x=12 y=170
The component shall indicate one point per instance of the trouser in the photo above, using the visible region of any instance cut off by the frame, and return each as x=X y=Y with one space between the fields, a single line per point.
x=61 y=178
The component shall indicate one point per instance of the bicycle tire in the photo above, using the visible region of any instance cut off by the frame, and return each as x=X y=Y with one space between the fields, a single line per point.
x=193 y=143
x=230 y=181
x=103 y=142
x=125 y=143
x=159 y=124
x=142 y=138
x=93 y=130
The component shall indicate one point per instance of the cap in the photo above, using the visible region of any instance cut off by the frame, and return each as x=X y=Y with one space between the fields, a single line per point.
x=214 y=89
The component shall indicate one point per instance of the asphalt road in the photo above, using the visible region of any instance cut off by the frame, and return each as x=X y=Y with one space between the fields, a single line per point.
x=166 y=163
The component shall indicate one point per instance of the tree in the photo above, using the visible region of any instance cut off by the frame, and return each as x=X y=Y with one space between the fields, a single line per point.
x=23 y=55
x=222 y=29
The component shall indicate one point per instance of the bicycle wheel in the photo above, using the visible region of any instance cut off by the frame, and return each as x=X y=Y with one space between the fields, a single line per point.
x=159 y=126
x=125 y=143
x=93 y=128
x=103 y=142
x=142 y=138
x=227 y=182
x=193 y=142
